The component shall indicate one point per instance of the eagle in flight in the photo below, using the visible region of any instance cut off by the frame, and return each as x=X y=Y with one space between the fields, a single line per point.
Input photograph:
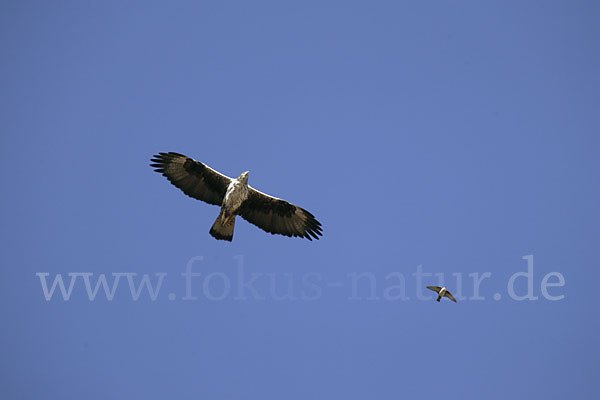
x=235 y=197
x=442 y=292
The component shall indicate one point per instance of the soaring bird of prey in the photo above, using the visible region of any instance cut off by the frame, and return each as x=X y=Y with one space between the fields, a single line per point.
x=235 y=197
x=442 y=292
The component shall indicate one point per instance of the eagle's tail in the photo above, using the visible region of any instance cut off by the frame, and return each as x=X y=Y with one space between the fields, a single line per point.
x=222 y=229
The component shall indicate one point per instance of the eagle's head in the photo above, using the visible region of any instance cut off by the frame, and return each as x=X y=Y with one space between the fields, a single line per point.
x=243 y=177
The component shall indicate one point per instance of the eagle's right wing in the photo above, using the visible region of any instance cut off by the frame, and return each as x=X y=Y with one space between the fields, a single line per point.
x=434 y=288
x=449 y=295
x=192 y=177
x=277 y=216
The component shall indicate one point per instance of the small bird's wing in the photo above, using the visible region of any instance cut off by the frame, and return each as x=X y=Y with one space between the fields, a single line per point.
x=434 y=288
x=192 y=177
x=277 y=216
x=449 y=295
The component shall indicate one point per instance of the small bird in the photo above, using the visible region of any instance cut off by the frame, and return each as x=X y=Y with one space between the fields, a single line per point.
x=442 y=291
x=235 y=197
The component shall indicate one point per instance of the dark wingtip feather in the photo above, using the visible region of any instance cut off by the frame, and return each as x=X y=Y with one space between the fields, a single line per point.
x=313 y=234
x=313 y=227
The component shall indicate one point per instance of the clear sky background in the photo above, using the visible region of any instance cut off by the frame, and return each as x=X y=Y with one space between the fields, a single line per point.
x=458 y=136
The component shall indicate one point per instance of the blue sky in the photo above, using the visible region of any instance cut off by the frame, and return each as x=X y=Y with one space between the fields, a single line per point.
x=455 y=136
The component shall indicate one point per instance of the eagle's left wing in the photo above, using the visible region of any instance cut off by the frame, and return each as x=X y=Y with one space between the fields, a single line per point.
x=195 y=179
x=277 y=216
x=434 y=288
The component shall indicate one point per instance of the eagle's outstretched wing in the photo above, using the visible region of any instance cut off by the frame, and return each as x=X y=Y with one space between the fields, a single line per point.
x=277 y=216
x=192 y=177
x=449 y=295
x=434 y=288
